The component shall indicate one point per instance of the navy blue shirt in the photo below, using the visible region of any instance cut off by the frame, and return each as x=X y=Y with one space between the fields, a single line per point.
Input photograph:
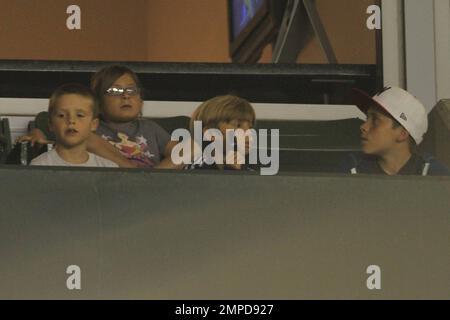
x=416 y=165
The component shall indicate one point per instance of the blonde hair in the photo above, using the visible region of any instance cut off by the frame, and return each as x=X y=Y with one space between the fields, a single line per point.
x=222 y=109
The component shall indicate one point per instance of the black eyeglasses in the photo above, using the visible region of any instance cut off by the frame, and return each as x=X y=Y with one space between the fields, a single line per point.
x=117 y=91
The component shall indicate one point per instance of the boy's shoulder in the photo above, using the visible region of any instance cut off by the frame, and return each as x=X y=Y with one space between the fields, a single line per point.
x=357 y=162
x=97 y=161
x=49 y=158
x=425 y=164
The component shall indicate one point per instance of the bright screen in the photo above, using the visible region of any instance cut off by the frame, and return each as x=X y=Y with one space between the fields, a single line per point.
x=242 y=12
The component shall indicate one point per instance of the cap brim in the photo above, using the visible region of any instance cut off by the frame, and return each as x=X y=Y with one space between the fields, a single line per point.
x=363 y=101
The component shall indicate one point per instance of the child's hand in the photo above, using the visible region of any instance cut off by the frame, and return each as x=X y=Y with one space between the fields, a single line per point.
x=128 y=164
x=234 y=160
x=35 y=136
x=167 y=163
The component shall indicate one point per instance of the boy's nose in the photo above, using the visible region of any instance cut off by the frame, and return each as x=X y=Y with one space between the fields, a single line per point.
x=71 y=120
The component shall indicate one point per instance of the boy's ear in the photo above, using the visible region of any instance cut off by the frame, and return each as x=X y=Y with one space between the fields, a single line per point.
x=403 y=135
x=94 y=124
x=50 y=126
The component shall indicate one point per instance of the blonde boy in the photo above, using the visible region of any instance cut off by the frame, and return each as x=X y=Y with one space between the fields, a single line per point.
x=224 y=113
x=73 y=116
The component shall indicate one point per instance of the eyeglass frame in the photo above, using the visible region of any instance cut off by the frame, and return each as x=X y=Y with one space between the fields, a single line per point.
x=123 y=91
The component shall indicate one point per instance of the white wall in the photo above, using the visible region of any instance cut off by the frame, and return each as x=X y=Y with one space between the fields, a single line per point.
x=416 y=47
x=427 y=37
x=420 y=50
x=158 y=109
x=442 y=36
x=393 y=43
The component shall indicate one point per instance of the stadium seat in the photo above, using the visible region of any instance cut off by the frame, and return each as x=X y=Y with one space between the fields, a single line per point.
x=172 y=123
x=314 y=146
x=5 y=139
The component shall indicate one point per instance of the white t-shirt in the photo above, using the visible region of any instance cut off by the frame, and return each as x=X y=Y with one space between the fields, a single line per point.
x=52 y=158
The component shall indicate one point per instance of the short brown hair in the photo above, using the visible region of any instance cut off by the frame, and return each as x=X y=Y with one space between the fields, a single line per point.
x=103 y=79
x=222 y=109
x=72 y=88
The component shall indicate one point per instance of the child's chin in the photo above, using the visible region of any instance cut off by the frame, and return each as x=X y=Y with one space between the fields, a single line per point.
x=367 y=150
x=70 y=143
x=126 y=118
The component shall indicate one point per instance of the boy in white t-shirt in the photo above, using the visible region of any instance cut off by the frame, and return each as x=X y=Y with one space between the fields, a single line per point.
x=73 y=116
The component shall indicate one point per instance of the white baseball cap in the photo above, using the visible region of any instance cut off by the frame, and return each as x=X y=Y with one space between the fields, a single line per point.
x=401 y=105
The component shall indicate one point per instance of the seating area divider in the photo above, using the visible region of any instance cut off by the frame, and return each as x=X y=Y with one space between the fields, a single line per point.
x=196 y=235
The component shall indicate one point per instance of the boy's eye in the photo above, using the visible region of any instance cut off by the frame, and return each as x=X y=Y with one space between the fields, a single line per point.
x=371 y=118
x=235 y=123
x=81 y=115
x=245 y=124
x=376 y=121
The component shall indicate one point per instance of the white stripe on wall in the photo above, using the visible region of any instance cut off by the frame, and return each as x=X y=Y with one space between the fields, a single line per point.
x=159 y=109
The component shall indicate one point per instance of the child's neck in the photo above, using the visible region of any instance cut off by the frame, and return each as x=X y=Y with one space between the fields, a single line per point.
x=117 y=125
x=394 y=161
x=74 y=155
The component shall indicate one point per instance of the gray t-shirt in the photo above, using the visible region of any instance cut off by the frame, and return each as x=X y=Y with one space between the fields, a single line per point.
x=141 y=141
x=52 y=158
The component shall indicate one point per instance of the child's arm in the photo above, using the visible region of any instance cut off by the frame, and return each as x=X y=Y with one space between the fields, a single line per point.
x=168 y=149
x=102 y=148
x=167 y=163
x=40 y=134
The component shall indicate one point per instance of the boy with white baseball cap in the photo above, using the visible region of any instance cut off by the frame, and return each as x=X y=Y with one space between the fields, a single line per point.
x=395 y=126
